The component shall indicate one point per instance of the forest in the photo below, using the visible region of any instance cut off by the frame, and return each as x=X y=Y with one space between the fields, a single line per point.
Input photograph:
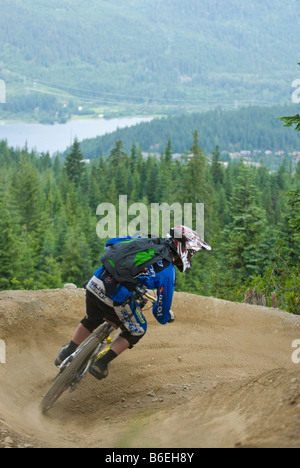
x=48 y=217
x=256 y=129
x=147 y=56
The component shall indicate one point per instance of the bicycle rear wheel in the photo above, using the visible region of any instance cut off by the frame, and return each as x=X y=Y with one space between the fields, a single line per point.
x=69 y=374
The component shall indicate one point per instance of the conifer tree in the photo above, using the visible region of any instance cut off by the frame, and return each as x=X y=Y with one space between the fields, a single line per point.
x=74 y=165
x=297 y=174
x=76 y=265
x=94 y=185
x=49 y=275
x=197 y=187
x=9 y=246
x=133 y=157
x=243 y=235
x=294 y=216
x=117 y=154
x=27 y=194
x=136 y=187
x=165 y=186
x=152 y=181
x=168 y=152
x=216 y=169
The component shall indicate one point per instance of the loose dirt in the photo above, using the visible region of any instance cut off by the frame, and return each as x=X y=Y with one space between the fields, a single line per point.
x=221 y=375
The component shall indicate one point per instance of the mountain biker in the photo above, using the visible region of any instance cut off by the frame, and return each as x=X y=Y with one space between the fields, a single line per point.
x=106 y=299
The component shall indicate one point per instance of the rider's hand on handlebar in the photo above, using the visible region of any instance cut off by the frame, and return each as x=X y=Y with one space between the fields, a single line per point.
x=172 y=315
x=143 y=302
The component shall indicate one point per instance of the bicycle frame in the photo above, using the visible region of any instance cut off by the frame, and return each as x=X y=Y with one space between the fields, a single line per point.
x=100 y=347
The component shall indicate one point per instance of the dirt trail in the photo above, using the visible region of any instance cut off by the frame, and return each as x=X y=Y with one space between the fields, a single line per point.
x=220 y=376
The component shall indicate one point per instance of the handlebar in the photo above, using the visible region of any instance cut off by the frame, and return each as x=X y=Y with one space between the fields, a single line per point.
x=150 y=297
x=141 y=296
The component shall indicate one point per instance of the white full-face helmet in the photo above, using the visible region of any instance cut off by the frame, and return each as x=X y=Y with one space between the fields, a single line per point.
x=185 y=243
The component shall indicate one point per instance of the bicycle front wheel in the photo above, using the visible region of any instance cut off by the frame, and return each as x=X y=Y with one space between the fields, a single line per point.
x=69 y=374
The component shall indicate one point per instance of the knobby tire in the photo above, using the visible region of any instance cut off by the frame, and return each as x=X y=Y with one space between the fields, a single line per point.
x=66 y=377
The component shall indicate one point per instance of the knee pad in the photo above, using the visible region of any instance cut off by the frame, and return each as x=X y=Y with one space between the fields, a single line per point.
x=132 y=339
x=90 y=324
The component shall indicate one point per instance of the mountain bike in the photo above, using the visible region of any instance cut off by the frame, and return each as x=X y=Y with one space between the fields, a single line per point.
x=76 y=366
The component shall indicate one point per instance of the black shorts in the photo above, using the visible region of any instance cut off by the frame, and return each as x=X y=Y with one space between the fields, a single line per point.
x=96 y=313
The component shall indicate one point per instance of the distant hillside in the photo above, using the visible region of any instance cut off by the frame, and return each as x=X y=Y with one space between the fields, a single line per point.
x=252 y=128
x=164 y=56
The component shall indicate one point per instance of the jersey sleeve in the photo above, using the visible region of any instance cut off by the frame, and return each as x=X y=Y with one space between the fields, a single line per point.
x=163 y=280
x=165 y=286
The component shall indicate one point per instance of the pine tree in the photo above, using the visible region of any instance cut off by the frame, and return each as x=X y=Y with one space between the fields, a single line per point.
x=119 y=167
x=133 y=157
x=74 y=165
x=9 y=247
x=297 y=174
x=168 y=152
x=294 y=215
x=136 y=187
x=197 y=187
x=163 y=184
x=94 y=185
x=244 y=234
x=117 y=155
x=49 y=274
x=76 y=263
x=27 y=193
x=216 y=169
x=152 y=180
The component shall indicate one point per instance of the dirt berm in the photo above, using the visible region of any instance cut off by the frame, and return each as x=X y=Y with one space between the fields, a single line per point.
x=221 y=375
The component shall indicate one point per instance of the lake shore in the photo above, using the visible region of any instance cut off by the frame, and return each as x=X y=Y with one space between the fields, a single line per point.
x=55 y=138
x=75 y=118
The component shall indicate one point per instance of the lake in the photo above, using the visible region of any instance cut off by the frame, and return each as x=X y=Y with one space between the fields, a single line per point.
x=58 y=137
